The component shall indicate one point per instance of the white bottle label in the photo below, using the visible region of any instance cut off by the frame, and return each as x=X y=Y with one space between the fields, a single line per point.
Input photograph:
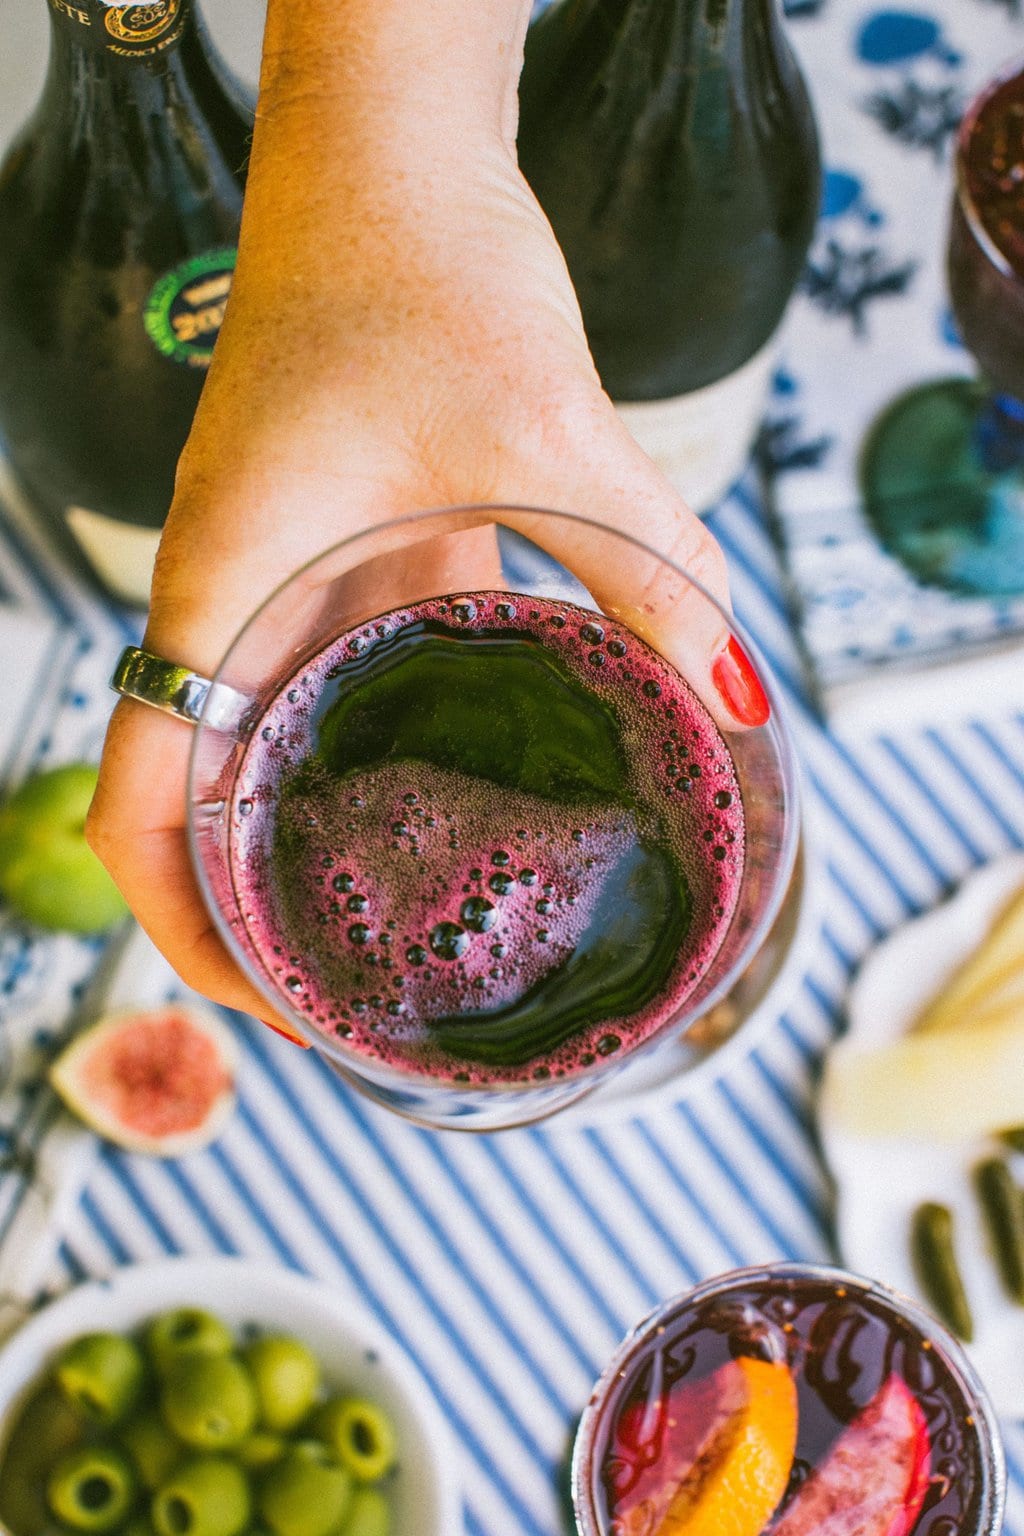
x=121 y=553
x=702 y=440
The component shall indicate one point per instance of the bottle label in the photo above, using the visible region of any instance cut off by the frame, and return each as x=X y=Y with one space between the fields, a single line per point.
x=185 y=308
x=703 y=439
x=131 y=31
x=122 y=554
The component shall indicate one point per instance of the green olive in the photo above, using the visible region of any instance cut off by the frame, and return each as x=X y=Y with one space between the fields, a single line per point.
x=369 y=1514
x=209 y=1401
x=47 y=1426
x=154 y=1450
x=305 y=1493
x=138 y=1525
x=103 y=1373
x=287 y=1378
x=92 y=1488
x=206 y=1496
x=261 y=1449
x=185 y=1331
x=360 y=1434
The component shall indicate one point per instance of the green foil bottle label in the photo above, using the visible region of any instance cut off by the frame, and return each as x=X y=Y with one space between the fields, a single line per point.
x=185 y=308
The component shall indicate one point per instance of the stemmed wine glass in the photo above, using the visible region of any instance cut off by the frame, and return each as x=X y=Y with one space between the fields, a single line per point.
x=943 y=468
x=986 y=261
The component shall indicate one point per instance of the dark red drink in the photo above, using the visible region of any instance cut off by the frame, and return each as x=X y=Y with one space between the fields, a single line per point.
x=487 y=838
x=986 y=252
x=793 y=1401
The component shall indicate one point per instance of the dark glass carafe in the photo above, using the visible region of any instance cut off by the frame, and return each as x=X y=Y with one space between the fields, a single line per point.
x=120 y=203
x=673 y=147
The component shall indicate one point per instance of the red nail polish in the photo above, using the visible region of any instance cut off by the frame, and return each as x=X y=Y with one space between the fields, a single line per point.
x=286 y=1034
x=739 y=685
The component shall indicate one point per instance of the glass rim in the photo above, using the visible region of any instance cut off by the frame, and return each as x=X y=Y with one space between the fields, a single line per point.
x=777 y=724
x=993 y=253
x=993 y=1497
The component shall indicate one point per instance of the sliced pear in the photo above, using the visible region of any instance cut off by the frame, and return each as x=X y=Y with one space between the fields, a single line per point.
x=995 y=1006
x=991 y=976
x=945 y=1085
x=998 y=993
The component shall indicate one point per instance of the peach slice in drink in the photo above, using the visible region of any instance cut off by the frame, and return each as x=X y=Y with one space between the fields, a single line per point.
x=874 y=1478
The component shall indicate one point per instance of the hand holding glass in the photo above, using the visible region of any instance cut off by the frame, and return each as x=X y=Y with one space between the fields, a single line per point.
x=478 y=841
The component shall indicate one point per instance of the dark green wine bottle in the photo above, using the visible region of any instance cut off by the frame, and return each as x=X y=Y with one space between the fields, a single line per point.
x=672 y=145
x=120 y=203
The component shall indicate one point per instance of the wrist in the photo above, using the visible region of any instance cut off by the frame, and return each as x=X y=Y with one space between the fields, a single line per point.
x=372 y=120
x=439 y=73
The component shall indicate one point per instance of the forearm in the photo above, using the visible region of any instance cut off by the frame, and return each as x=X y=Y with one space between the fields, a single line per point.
x=379 y=123
x=389 y=84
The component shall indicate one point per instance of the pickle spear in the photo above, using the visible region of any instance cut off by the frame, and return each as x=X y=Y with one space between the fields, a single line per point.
x=1004 y=1216
x=934 y=1256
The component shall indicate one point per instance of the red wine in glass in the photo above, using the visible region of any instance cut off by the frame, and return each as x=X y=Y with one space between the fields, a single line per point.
x=487 y=837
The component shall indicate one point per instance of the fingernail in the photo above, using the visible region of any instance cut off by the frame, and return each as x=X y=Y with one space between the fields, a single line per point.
x=739 y=685
x=286 y=1034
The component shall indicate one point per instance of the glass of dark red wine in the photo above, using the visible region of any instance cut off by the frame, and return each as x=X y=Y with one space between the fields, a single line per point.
x=478 y=838
x=943 y=468
x=791 y=1399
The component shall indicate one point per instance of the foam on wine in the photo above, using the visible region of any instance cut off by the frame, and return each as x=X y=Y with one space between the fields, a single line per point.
x=487 y=837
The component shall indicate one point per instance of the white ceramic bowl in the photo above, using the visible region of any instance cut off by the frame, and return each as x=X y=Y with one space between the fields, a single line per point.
x=355 y=1352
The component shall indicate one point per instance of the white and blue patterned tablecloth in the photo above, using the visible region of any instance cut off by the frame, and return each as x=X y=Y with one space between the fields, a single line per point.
x=510 y=1266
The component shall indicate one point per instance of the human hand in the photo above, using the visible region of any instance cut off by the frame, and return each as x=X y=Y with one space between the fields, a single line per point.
x=398 y=340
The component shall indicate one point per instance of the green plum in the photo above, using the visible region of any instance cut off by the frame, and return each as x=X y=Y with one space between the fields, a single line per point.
x=209 y=1401
x=287 y=1378
x=359 y=1433
x=103 y=1373
x=305 y=1493
x=186 y=1331
x=48 y=873
x=91 y=1488
x=206 y=1496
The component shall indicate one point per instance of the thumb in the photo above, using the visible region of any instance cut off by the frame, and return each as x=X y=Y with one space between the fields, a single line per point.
x=660 y=602
x=649 y=562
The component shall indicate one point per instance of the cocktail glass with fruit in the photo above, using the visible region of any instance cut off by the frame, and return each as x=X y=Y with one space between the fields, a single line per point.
x=477 y=838
x=792 y=1398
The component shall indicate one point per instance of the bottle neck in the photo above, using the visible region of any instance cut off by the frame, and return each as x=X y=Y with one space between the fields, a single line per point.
x=672 y=146
x=120 y=68
x=671 y=83
x=132 y=33
x=158 y=121
x=123 y=77
x=655 y=46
